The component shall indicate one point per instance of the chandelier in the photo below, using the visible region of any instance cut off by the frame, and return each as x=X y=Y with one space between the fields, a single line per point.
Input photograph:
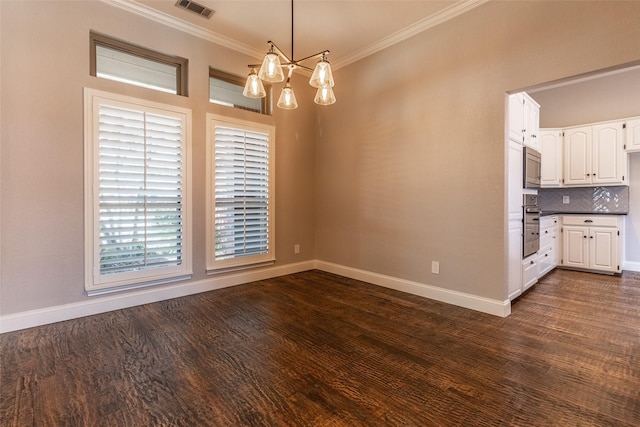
x=271 y=71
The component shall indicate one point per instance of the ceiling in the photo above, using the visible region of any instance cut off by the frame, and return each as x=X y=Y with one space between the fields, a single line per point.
x=349 y=29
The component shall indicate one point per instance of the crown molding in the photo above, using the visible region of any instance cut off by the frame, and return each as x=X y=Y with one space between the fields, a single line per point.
x=410 y=31
x=187 y=27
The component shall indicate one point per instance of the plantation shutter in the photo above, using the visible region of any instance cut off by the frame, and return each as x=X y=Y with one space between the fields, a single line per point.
x=241 y=193
x=140 y=190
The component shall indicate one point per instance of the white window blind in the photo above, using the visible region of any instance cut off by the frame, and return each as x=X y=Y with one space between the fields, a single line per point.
x=128 y=68
x=139 y=210
x=241 y=180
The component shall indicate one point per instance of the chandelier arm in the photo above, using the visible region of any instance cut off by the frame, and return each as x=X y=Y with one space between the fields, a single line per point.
x=306 y=68
x=280 y=52
x=315 y=55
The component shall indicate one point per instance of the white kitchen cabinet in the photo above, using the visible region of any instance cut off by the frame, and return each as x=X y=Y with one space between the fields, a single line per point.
x=577 y=156
x=594 y=155
x=531 y=118
x=529 y=272
x=608 y=158
x=548 y=253
x=632 y=135
x=524 y=120
x=514 y=276
x=516 y=117
x=592 y=242
x=514 y=180
x=551 y=157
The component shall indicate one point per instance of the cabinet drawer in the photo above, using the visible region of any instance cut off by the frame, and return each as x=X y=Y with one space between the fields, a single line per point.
x=529 y=272
x=590 y=220
x=546 y=238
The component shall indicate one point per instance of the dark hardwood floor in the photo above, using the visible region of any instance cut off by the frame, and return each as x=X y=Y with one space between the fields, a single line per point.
x=315 y=349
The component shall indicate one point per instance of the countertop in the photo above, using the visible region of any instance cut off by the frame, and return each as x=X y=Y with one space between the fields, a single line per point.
x=548 y=213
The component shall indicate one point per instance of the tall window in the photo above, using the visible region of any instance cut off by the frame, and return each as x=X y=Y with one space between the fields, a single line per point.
x=137 y=206
x=240 y=201
x=118 y=60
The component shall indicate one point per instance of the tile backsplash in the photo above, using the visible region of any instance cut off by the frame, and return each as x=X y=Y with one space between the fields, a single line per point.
x=612 y=200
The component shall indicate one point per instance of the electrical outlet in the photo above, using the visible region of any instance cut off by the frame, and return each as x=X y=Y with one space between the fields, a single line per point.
x=435 y=267
x=296 y=248
x=565 y=200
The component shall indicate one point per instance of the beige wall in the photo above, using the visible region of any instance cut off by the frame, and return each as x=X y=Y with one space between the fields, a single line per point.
x=45 y=65
x=410 y=161
x=407 y=166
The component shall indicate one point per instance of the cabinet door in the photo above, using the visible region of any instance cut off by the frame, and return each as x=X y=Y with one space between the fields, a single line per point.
x=530 y=271
x=603 y=249
x=607 y=154
x=531 y=122
x=551 y=157
x=514 y=275
x=575 y=247
x=632 y=135
x=577 y=156
x=516 y=118
x=514 y=180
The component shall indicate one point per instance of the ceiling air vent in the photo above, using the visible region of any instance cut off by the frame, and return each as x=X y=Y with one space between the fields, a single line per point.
x=195 y=8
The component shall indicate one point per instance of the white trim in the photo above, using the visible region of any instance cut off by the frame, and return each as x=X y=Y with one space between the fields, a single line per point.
x=31 y=318
x=97 y=305
x=631 y=266
x=410 y=31
x=461 y=299
x=187 y=27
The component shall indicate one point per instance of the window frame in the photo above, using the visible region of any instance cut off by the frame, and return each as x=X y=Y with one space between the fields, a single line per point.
x=181 y=64
x=265 y=103
x=249 y=261
x=96 y=282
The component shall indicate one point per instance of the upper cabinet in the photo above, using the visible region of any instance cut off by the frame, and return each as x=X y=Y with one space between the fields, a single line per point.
x=594 y=155
x=524 y=120
x=516 y=117
x=632 y=135
x=531 y=118
x=550 y=157
x=589 y=155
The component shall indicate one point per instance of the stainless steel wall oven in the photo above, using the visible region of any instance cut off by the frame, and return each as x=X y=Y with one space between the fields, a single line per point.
x=531 y=238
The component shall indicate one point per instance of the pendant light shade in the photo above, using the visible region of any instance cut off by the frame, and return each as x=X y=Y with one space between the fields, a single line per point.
x=287 y=99
x=322 y=74
x=325 y=95
x=254 y=87
x=271 y=69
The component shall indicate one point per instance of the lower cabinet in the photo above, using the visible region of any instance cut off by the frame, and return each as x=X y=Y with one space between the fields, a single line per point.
x=592 y=242
x=548 y=253
x=530 y=271
x=514 y=277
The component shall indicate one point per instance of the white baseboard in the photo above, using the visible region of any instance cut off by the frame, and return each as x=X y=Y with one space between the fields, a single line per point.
x=631 y=266
x=461 y=299
x=111 y=302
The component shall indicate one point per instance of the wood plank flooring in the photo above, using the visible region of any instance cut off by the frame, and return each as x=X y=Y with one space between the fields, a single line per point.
x=316 y=349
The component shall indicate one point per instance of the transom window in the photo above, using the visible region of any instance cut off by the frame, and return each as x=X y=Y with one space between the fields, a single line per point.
x=124 y=62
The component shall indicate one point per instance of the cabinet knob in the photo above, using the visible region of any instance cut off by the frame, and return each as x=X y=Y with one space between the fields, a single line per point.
x=584 y=237
x=588 y=174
